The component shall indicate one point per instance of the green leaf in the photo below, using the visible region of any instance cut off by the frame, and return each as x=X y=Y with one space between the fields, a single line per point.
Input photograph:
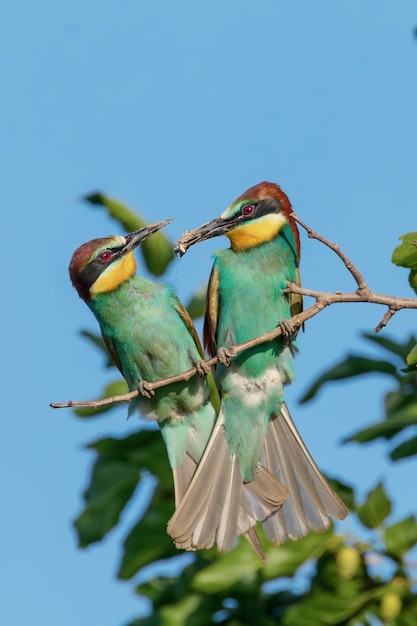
x=144 y=449
x=396 y=400
x=401 y=537
x=148 y=540
x=112 y=485
x=407 y=409
x=330 y=608
x=117 y=210
x=403 y=450
x=113 y=389
x=405 y=254
x=398 y=348
x=175 y=604
x=157 y=250
x=407 y=414
x=396 y=422
x=154 y=588
x=376 y=509
x=114 y=478
x=227 y=570
x=98 y=342
x=412 y=279
x=353 y=365
x=196 y=307
x=191 y=609
x=412 y=357
x=287 y=558
x=169 y=595
x=332 y=599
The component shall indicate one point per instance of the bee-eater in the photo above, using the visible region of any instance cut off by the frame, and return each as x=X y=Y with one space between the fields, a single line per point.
x=245 y=299
x=150 y=336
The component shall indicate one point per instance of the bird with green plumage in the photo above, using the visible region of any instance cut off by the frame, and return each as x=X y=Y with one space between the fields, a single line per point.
x=246 y=298
x=150 y=336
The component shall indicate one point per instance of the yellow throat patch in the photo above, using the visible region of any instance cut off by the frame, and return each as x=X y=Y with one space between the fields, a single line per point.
x=257 y=232
x=115 y=275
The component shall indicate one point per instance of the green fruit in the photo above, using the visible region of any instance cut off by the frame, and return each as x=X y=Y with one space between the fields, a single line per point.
x=348 y=560
x=391 y=605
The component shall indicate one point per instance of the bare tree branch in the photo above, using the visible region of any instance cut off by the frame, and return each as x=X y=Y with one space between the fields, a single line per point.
x=336 y=248
x=390 y=313
x=322 y=301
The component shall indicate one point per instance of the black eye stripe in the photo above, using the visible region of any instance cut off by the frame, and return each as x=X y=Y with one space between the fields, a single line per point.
x=114 y=253
x=269 y=205
x=261 y=208
x=93 y=270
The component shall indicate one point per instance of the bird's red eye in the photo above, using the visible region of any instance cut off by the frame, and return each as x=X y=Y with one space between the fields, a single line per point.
x=105 y=256
x=247 y=210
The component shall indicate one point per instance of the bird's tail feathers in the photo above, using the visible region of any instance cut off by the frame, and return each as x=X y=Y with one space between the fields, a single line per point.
x=259 y=497
x=218 y=506
x=252 y=537
x=182 y=477
x=311 y=502
x=185 y=439
x=209 y=511
x=263 y=495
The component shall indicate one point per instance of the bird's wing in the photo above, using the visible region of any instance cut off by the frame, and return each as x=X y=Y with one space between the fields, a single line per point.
x=295 y=299
x=113 y=353
x=210 y=318
x=185 y=316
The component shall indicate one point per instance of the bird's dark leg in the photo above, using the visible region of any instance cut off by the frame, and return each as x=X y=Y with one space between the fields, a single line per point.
x=224 y=355
x=145 y=390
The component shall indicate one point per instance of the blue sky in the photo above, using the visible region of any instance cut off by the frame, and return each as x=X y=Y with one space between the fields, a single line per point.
x=177 y=108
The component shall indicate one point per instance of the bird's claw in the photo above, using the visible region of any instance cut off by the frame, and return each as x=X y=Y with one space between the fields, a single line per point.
x=145 y=390
x=286 y=329
x=224 y=355
x=202 y=367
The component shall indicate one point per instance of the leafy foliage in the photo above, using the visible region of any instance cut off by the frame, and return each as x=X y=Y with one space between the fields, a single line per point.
x=400 y=402
x=405 y=255
x=197 y=305
x=326 y=578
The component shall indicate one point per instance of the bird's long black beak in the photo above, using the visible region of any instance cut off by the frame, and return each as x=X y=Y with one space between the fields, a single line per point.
x=215 y=228
x=135 y=238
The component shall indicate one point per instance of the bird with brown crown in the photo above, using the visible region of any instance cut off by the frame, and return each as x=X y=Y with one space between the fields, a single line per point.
x=246 y=298
x=150 y=336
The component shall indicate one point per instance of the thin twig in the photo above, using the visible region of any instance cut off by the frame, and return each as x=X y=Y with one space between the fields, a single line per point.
x=388 y=315
x=362 y=286
x=322 y=300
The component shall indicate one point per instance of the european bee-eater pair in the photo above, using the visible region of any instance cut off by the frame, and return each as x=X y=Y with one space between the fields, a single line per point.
x=248 y=463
